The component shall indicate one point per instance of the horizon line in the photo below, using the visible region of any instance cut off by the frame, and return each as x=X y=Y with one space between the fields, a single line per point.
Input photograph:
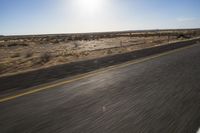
x=95 y=32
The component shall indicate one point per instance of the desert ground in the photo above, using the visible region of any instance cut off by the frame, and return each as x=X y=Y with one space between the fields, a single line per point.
x=25 y=53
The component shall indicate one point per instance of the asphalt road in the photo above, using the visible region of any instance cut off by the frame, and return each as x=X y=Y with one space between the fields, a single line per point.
x=161 y=95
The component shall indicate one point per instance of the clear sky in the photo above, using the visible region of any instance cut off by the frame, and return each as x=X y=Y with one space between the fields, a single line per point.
x=69 y=16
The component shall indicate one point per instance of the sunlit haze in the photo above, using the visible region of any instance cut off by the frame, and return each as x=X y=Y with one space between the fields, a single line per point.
x=89 y=6
x=71 y=16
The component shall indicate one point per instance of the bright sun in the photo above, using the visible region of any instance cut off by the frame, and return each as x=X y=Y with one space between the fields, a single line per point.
x=90 y=6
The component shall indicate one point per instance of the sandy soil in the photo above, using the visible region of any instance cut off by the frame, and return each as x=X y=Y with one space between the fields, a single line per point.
x=22 y=55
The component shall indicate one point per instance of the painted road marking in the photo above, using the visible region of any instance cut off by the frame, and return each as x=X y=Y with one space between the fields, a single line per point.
x=90 y=74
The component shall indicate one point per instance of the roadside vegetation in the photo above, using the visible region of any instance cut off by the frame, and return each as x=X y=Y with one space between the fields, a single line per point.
x=22 y=53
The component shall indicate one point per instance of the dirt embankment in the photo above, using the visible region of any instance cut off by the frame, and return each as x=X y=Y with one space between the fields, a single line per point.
x=46 y=75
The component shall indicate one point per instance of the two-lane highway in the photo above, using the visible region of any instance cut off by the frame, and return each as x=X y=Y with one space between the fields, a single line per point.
x=159 y=95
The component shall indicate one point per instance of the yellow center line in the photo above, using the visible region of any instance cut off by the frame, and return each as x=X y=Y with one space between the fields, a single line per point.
x=90 y=74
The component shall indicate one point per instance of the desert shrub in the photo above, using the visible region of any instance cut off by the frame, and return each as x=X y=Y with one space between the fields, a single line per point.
x=61 y=39
x=44 y=39
x=109 y=51
x=54 y=41
x=45 y=57
x=76 y=44
x=15 y=55
x=28 y=54
x=3 y=66
x=85 y=53
x=121 y=44
x=42 y=59
x=67 y=40
x=17 y=44
x=157 y=41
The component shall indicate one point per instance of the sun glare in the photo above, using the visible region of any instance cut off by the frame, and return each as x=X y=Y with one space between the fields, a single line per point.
x=90 y=6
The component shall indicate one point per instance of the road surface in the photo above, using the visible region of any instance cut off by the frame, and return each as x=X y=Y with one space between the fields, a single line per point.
x=159 y=95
